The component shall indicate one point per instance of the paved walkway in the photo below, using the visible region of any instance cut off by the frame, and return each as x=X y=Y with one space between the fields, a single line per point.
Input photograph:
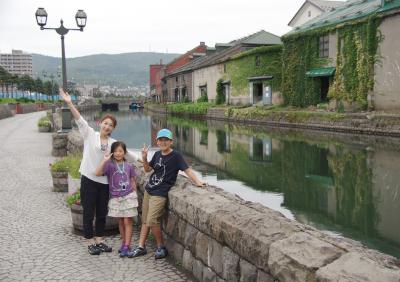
x=36 y=238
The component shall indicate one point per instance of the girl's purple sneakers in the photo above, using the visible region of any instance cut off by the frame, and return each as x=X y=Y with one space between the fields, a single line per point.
x=124 y=251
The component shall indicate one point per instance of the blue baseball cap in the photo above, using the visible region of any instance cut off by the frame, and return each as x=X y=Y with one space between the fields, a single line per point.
x=164 y=133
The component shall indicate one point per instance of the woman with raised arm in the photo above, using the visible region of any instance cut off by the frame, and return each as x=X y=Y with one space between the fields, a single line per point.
x=94 y=189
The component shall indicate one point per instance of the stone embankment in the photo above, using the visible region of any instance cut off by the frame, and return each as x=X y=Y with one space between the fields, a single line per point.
x=379 y=124
x=219 y=237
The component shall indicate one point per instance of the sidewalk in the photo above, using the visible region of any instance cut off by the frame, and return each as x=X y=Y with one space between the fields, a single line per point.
x=36 y=233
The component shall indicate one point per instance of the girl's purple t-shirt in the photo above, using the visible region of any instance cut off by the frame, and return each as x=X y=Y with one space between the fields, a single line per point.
x=119 y=180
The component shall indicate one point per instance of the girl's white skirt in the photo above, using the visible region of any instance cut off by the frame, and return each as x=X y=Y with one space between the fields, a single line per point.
x=123 y=206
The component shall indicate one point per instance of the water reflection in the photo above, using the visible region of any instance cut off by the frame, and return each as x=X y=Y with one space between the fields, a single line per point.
x=339 y=186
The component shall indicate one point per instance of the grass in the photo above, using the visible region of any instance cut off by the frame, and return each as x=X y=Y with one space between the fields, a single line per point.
x=278 y=113
x=22 y=101
x=190 y=108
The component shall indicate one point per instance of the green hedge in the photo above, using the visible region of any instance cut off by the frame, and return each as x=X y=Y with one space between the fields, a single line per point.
x=190 y=108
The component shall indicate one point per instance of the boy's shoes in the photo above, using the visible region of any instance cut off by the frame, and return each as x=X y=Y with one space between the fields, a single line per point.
x=138 y=251
x=104 y=248
x=93 y=250
x=161 y=252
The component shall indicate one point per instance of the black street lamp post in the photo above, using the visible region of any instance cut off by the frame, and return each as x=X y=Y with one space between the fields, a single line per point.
x=80 y=17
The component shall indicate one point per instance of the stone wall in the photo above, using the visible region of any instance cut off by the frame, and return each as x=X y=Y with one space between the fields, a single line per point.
x=5 y=111
x=379 y=124
x=220 y=237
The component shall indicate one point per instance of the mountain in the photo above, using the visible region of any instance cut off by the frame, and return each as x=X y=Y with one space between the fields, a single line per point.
x=127 y=69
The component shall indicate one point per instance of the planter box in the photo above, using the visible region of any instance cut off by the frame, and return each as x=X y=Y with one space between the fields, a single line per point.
x=60 y=181
x=77 y=219
x=45 y=128
x=73 y=184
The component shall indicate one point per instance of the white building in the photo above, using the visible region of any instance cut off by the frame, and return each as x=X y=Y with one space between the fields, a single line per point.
x=17 y=62
x=312 y=9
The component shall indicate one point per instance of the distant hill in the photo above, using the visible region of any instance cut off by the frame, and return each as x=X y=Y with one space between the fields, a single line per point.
x=127 y=69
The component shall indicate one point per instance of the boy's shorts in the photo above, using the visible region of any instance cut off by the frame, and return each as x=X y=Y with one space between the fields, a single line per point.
x=153 y=209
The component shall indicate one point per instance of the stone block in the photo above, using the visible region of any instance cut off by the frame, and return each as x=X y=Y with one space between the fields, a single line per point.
x=215 y=256
x=198 y=269
x=59 y=152
x=174 y=248
x=248 y=272
x=190 y=238
x=209 y=275
x=299 y=256
x=187 y=260
x=230 y=265
x=357 y=267
x=202 y=247
x=181 y=228
x=264 y=277
x=75 y=142
x=60 y=140
x=171 y=224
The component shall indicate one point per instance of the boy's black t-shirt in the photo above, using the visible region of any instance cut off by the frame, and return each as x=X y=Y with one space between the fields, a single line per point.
x=166 y=168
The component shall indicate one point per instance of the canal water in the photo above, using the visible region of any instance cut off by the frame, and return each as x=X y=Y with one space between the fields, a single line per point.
x=345 y=185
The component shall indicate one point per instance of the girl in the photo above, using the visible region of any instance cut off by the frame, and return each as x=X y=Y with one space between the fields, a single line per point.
x=94 y=189
x=122 y=186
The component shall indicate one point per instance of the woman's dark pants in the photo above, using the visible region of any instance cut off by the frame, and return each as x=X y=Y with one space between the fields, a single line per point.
x=94 y=200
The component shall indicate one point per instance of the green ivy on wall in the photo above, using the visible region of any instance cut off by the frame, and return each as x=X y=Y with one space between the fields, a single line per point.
x=299 y=55
x=354 y=77
x=243 y=66
x=356 y=55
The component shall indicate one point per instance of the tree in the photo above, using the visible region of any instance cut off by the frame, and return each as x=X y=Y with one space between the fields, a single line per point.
x=38 y=87
x=26 y=83
x=3 y=78
x=48 y=88
x=14 y=81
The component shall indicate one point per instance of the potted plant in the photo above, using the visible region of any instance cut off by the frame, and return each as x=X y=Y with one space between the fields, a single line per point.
x=59 y=173
x=44 y=124
x=74 y=202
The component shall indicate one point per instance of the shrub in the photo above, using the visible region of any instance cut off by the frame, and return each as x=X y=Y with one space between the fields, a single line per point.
x=190 y=108
x=220 y=99
x=70 y=164
x=44 y=121
x=203 y=98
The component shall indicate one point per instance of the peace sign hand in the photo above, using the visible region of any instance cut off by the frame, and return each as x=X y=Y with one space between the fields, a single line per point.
x=145 y=150
x=107 y=157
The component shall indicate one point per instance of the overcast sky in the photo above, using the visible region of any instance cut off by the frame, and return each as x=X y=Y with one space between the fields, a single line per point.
x=121 y=26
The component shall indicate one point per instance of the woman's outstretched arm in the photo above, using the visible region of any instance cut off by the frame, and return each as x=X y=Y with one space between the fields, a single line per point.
x=67 y=98
x=83 y=126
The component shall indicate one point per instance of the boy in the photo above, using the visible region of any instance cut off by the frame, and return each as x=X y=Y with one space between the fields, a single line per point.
x=166 y=163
